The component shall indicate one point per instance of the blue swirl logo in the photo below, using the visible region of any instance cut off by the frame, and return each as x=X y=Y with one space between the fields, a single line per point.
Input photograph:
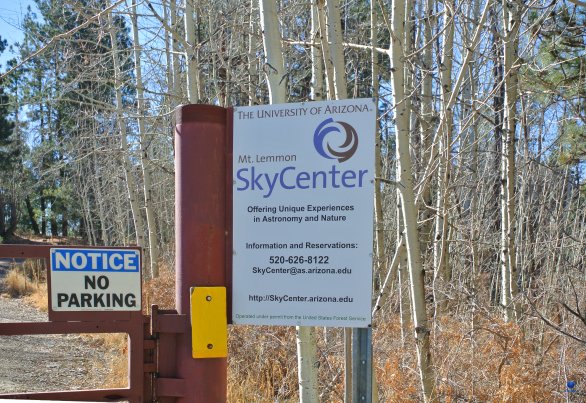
x=324 y=140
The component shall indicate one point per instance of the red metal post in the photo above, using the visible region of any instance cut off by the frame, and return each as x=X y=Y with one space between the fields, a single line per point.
x=200 y=230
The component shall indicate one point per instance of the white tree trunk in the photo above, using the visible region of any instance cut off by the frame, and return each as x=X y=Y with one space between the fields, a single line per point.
x=336 y=70
x=132 y=188
x=426 y=126
x=99 y=196
x=317 y=69
x=440 y=255
x=334 y=25
x=381 y=256
x=144 y=158
x=274 y=65
x=511 y=23
x=168 y=58
x=177 y=91
x=389 y=281
x=307 y=364
x=325 y=49
x=252 y=59
x=403 y=273
x=409 y=210
x=191 y=62
x=404 y=296
x=378 y=202
x=274 y=69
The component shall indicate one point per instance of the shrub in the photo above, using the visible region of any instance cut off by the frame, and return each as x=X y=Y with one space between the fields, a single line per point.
x=18 y=285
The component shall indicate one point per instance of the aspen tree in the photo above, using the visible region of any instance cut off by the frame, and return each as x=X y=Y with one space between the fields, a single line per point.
x=100 y=199
x=509 y=275
x=408 y=205
x=325 y=49
x=425 y=119
x=440 y=255
x=337 y=89
x=168 y=60
x=378 y=203
x=144 y=151
x=176 y=89
x=405 y=297
x=172 y=52
x=317 y=69
x=319 y=46
x=252 y=59
x=275 y=71
x=448 y=102
x=274 y=66
x=131 y=185
x=335 y=40
x=193 y=95
x=471 y=143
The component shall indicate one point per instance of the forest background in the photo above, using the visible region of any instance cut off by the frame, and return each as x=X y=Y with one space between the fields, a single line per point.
x=480 y=285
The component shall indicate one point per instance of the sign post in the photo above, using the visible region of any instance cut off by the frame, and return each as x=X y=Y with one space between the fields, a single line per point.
x=362 y=365
x=200 y=236
x=303 y=213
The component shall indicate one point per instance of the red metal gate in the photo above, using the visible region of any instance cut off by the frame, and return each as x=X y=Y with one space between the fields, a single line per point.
x=136 y=325
x=161 y=365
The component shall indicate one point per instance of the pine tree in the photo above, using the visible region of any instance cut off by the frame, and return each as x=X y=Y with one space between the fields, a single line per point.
x=71 y=93
x=562 y=75
x=8 y=157
x=7 y=153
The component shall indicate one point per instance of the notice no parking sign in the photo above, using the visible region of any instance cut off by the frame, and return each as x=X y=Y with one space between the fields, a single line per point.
x=85 y=279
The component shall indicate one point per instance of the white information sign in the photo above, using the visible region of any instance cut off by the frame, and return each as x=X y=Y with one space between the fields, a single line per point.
x=303 y=213
x=95 y=279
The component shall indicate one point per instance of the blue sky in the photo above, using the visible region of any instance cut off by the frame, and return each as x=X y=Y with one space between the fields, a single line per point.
x=11 y=15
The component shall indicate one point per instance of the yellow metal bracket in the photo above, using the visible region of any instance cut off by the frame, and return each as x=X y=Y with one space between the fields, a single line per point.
x=209 y=324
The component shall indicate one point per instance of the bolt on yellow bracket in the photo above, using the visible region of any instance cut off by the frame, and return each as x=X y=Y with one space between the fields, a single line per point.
x=209 y=323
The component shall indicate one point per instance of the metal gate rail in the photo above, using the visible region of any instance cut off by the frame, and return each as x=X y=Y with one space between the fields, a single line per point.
x=141 y=365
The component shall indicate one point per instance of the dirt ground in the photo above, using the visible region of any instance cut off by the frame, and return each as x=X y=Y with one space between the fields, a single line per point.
x=45 y=362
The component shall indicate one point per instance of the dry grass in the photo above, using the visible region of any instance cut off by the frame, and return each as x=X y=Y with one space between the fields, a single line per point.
x=115 y=346
x=29 y=281
x=17 y=283
x=475 y=359
x=488 y=361
x=160 y=291
x=39 y=298
x=262 y=364
x=484 y=360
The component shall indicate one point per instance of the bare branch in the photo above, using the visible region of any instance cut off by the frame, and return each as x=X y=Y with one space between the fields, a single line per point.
x=553 y=325
x=56 y=38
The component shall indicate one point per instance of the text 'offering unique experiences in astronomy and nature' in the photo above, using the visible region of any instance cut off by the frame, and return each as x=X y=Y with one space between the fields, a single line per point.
x=85 y=279
x=303 y=213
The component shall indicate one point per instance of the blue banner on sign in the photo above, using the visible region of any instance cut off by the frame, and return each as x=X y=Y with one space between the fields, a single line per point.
x=95 y=260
